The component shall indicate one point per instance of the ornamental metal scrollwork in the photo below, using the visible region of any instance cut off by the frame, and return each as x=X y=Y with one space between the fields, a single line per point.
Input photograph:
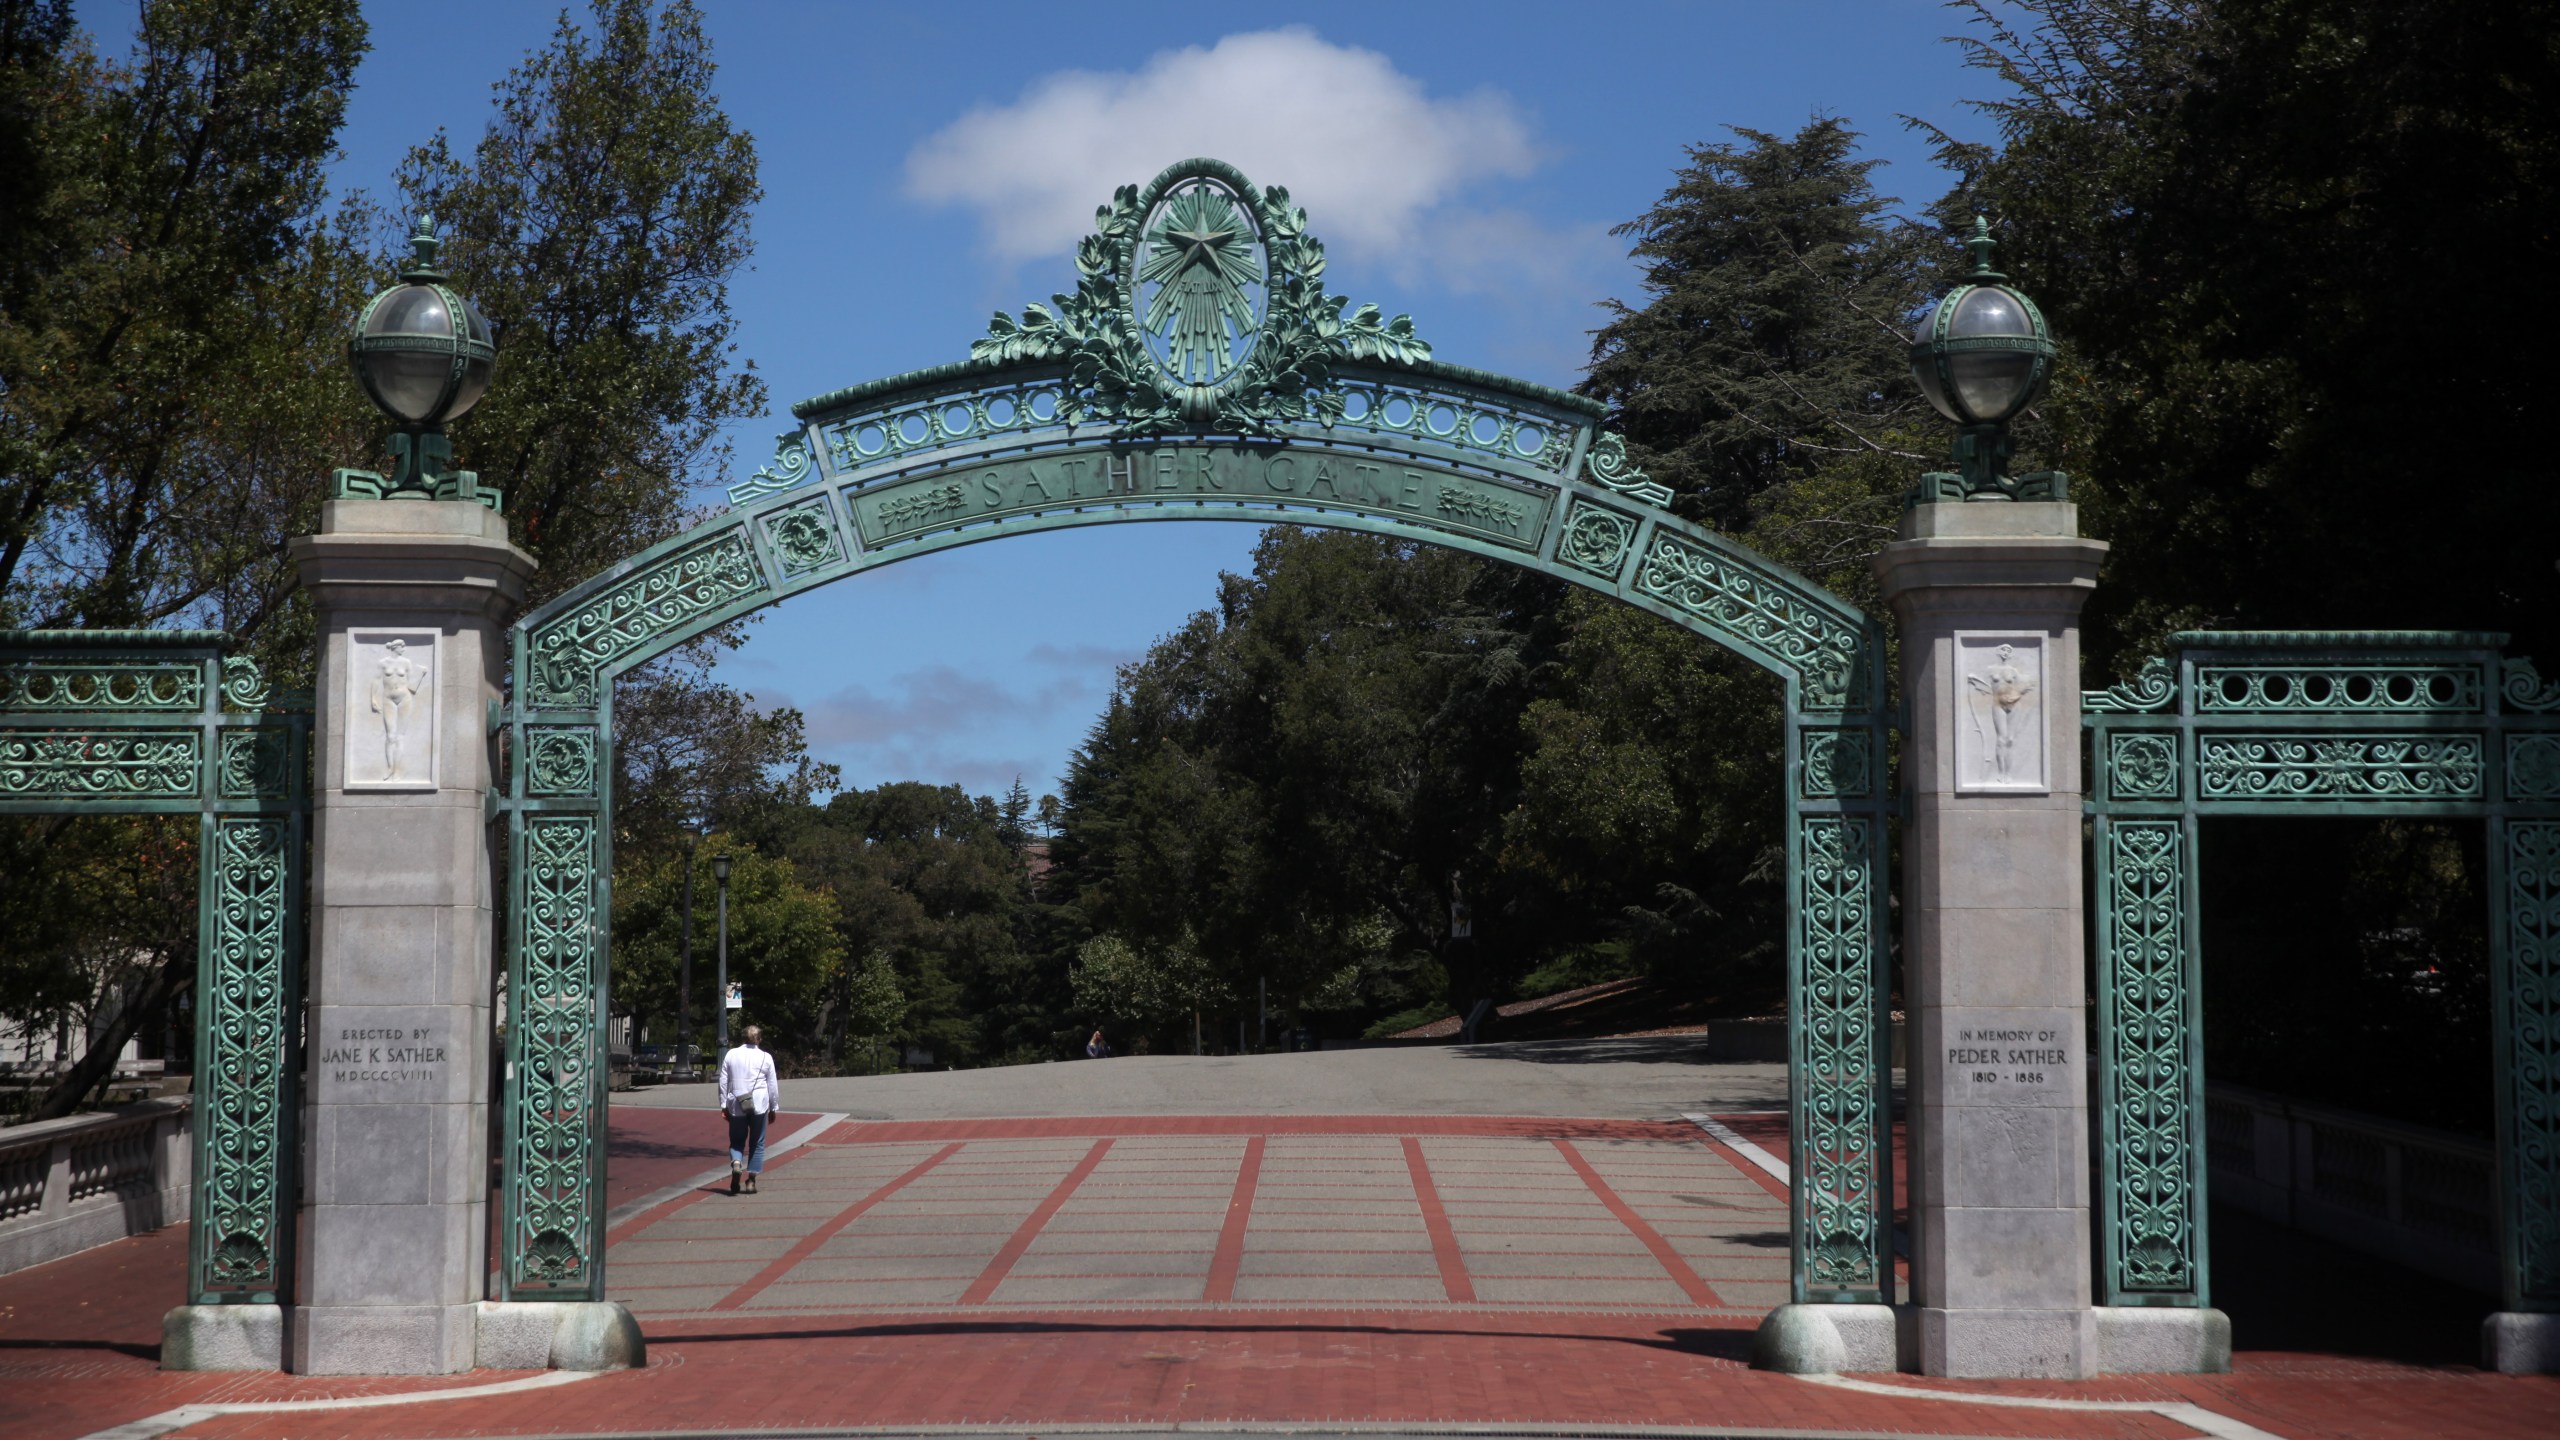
x=1756 y=612
x=1844 y=1167
x=2143 y=965
x=569 y=653
x=1835 y=765
x=240 y=1140
x=1608 y=466
x=1199 y=351
x=560 y=761
x=2142 y=765
x=255 y=763
x=2264 y=688
x=1596 y=539
x=244 y=685
x=2152 y=689
x=2364 y=767
x=790 y=466
x=2533 y=767
x=2533 y=1072
x=2524 y=688
x=101 y=685
x=551 y=1022
x=109 y=764
x=802 y=540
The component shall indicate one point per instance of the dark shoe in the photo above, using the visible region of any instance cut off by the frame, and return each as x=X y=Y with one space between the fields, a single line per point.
x=751 y=1182
x=733 y=1179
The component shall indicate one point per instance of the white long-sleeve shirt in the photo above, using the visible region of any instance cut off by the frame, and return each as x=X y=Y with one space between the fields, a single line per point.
x=749 y=1084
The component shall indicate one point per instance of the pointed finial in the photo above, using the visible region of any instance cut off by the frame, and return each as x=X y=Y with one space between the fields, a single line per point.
x=1980 y=245
x=423 y=245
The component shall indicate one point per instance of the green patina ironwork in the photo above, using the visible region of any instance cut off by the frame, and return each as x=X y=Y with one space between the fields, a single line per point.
x=1249 y=395
x=97 y=722
x=2414 y=723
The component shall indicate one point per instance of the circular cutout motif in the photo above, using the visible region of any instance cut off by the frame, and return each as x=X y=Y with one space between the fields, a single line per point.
x=1201 y=281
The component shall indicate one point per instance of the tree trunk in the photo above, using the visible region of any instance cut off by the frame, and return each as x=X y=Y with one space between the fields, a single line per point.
x=98 y=1065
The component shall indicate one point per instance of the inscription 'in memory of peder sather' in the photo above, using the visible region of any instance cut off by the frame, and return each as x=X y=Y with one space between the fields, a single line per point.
x=1513 y=515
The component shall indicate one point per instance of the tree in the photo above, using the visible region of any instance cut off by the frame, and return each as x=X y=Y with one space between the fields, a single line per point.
x=875 y=1003
x=2239 y=217
x=598 y=221
x=1160 y=988
x=172 y=294
x=783 y=946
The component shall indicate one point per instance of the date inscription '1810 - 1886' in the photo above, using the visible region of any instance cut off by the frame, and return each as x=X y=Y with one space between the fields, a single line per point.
x=1506 y=514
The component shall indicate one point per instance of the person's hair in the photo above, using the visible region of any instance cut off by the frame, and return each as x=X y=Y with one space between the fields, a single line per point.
x=755 y=1034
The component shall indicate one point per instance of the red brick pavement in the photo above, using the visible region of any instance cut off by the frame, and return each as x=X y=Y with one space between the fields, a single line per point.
x=78 y=1345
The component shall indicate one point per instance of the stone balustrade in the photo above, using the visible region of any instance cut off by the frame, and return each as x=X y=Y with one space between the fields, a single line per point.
x=2423 y=1198
x=67 y=1185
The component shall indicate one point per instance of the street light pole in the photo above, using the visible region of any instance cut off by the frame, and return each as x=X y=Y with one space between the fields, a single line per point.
x=684 y=970
x=720 y=872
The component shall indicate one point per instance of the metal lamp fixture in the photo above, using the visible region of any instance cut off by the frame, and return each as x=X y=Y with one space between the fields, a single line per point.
x=424 y=355
x=1982 y=357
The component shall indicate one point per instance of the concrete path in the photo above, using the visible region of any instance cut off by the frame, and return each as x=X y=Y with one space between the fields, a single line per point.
x=961 y=1218
x=1639 y=1079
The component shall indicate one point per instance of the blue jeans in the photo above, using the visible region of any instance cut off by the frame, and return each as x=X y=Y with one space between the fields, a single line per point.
x=746 y=1141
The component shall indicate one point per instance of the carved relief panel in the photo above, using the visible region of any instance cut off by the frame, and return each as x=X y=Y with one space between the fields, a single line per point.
x=1999 y=718
x=390 y=710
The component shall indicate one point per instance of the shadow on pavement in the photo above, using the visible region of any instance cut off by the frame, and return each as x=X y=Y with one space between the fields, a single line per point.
x=2285 y=1290
x=1714 y=1343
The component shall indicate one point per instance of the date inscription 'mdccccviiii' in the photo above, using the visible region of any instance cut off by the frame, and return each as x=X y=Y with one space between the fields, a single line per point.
x=1506 y=514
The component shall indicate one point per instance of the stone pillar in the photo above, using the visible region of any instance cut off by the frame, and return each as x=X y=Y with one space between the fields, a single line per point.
x=1988 y=596
x=412 y=599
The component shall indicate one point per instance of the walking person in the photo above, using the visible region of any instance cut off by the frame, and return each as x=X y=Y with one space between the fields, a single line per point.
x=750 y=1094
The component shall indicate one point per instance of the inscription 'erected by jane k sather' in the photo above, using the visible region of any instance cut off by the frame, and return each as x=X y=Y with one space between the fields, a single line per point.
x=384 y=1055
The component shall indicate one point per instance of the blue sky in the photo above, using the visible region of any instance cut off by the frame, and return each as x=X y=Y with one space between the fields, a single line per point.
x=924 y=165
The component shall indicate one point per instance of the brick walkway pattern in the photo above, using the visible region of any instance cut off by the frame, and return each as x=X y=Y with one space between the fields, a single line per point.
x=1251 y=1212
x=1023 y=1275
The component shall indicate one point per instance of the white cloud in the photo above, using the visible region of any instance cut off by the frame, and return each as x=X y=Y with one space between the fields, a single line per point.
x=1357 y=141
x=935 y=724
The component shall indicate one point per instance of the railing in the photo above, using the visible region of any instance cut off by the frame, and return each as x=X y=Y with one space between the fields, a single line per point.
x=67 y=1185
x=2417 y=1197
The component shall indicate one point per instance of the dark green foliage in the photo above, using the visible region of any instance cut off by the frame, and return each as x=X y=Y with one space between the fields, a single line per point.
x=2300 y=251
x=929 y=877
x=598 y=221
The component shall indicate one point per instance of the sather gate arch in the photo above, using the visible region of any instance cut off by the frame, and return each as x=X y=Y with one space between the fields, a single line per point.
x=1198 y=372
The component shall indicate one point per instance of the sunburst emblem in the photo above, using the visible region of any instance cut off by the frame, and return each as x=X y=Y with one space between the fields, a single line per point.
x=1200 y=258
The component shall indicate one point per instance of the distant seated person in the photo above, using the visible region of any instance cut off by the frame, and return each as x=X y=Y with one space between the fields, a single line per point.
x=1097 y=1048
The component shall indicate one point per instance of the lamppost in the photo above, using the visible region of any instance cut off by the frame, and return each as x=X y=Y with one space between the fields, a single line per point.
x=720 y=872
x=423 y=354
x=684 y=966
x=1982 y=357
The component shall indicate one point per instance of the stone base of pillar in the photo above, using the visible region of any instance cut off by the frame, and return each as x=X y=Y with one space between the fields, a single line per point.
x=2513 y=1342
x=222 y=1337
x=2006 y=1344
x=580 y=1335
x=384 y=1339
x=2163 y=1340
x=1828 y=1339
